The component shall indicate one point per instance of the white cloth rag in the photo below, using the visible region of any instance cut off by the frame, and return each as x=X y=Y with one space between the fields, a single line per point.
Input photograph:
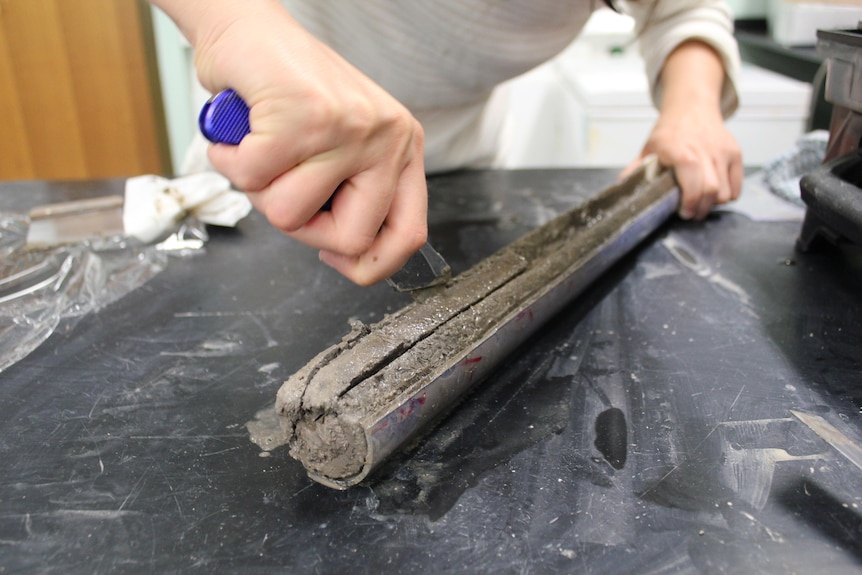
x=154 y=205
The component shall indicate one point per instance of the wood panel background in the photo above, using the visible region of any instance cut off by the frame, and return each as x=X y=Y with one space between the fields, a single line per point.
x=78 y=94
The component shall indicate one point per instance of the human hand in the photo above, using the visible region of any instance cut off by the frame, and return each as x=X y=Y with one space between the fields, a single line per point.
x=706 y=159
x=690 y=135
x=317 y=125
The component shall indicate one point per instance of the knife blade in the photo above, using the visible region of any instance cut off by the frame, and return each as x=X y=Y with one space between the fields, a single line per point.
x=224 y=119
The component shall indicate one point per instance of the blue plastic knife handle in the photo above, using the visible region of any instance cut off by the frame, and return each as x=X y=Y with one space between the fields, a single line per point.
x=224 y=118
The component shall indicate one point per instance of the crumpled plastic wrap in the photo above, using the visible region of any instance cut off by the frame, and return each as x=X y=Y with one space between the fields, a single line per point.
x=772 y=193
x=40 y=288
x=783 y=173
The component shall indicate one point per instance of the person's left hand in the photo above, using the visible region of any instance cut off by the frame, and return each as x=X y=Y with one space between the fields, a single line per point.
x=690 y=135
x=706 y=159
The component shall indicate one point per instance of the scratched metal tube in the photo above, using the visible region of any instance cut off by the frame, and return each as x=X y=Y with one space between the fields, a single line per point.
x=360 y=401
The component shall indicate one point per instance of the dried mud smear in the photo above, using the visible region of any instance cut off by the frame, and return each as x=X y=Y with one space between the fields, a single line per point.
x=325 y=405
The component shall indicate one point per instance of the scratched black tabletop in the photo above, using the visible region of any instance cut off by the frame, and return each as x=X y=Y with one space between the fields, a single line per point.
x=647 y=429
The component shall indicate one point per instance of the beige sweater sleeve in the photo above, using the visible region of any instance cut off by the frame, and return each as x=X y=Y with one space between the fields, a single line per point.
x=664 y=24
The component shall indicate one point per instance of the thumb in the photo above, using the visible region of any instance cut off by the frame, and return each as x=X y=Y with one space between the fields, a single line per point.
x=634 y=165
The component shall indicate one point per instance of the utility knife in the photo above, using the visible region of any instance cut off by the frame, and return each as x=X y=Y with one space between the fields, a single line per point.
x=224 y=119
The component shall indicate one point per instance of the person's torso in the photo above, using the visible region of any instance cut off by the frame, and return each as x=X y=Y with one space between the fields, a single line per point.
x=443 y=53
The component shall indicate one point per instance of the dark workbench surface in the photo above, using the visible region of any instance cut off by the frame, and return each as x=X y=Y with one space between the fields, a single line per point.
x=647 y=429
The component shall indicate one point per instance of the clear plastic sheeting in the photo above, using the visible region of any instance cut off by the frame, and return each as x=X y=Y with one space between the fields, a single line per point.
x=188 y=240
x=783 y=173
x=772 y=194
x=41 y=288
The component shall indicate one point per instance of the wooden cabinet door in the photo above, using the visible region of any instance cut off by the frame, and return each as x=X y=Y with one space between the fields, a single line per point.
x=78 y=93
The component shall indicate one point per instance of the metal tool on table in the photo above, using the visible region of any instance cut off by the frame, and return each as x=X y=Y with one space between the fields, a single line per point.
x=359 y=401
x=831 y=435
x=75 y=221
x=225 y=119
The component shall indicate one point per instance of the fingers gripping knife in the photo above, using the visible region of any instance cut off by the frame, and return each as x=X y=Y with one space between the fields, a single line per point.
x=225 y=119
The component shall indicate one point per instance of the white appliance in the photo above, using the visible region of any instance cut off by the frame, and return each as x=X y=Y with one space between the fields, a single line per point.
x=583 y=110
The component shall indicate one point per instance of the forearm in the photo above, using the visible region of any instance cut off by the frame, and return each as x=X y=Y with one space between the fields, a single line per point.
x=691 y=79
x=231 y=36
x=201 y=21
x=665 y=26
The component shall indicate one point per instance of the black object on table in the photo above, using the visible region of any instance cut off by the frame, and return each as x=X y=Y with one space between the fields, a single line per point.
x=648 y=428
x=833 y=192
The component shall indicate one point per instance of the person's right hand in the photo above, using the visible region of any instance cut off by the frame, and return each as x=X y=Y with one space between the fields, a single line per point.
x=317 y=125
